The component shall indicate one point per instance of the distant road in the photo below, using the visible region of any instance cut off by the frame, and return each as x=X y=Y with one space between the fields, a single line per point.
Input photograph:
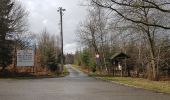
x=76 y=86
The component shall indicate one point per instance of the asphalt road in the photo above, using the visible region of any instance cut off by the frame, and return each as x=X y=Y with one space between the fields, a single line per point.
x=76 y=86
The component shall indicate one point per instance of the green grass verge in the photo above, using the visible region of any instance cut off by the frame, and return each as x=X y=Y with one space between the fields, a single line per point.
x=159 y=86
x=75 y=66
x=65 y=72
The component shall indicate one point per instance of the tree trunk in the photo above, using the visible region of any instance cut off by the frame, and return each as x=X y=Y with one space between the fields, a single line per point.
x=153 y=62
x=154 y=68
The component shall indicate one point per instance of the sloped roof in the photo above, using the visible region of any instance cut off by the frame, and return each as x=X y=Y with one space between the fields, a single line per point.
x=120 y=55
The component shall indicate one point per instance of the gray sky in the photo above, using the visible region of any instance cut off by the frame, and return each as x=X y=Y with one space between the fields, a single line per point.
x=43 y=14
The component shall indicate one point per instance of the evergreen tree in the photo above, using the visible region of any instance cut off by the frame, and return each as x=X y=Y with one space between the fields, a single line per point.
x=5 y=45
x=12 y=23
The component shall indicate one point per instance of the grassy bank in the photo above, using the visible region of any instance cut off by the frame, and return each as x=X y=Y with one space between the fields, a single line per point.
x=65 y=72
x=85 y=70
x=159 y=86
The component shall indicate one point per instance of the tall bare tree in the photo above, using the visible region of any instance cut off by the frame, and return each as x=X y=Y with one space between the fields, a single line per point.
x=145 y=17
x=94 y=32
x=156 y=5
x=49 y=50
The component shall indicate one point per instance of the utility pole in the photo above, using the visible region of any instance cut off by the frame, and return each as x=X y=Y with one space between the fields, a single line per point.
x=60 y=10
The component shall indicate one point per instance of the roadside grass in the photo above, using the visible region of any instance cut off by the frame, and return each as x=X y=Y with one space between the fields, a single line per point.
x=159 y=86
x=10 y=75
x=81 y=69
x=65 y=72
x=76 y=66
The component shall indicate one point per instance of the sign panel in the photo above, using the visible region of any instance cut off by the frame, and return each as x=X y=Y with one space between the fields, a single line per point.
x=97 y=56
x=97 y=59
x=25 y=58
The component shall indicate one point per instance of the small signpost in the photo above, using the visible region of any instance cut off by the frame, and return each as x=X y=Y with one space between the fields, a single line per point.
x=25 y=58
x=97 y=59
x=97 y=56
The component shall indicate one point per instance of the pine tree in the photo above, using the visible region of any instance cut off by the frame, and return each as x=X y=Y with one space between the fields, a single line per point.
x=5 y=45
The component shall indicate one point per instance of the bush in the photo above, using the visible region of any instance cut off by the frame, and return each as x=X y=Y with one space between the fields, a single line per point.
x=53 y=67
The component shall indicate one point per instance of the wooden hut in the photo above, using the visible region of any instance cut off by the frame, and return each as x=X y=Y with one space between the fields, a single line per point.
x=119 y=63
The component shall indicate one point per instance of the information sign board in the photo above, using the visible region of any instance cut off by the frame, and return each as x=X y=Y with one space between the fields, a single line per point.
x=25 y=58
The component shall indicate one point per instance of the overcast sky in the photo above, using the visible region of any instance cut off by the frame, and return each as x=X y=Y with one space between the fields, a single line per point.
x=43 y=14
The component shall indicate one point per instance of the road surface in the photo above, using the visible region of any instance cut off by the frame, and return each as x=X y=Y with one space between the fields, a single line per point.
x=76 y=86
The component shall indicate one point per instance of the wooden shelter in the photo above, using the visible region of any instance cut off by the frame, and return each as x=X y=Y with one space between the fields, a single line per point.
x=118 y=61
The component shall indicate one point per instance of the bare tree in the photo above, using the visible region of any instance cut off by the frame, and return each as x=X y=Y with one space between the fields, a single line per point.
x=49 y=50
x=145 y=17
x=94 y=32
x=157 y=5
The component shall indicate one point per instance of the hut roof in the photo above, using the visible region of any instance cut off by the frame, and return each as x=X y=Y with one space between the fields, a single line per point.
x=120 y=55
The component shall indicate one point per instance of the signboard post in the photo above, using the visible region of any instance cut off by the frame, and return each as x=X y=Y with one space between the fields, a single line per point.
x=25 y=58
x=97 y=59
